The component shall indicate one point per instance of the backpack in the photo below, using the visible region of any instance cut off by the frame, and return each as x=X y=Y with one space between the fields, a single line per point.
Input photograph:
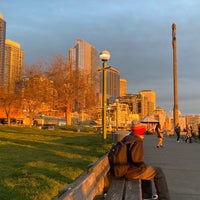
x=118 y=159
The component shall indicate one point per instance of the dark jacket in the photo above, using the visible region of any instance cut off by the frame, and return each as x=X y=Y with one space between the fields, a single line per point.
x=137 y=165
x=177 y=129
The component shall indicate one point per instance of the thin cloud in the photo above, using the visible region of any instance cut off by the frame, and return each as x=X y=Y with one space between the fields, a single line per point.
x=137 y=34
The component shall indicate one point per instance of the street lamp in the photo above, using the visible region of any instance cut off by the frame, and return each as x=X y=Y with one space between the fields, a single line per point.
x=104 y=56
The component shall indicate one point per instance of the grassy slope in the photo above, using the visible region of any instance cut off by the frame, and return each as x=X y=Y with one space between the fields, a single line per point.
x=35 y=164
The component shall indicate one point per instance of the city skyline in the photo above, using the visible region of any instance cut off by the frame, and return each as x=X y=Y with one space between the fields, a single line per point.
x=138 y=36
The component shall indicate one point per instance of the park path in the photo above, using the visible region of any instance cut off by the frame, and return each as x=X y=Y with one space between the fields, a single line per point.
x=180 y=163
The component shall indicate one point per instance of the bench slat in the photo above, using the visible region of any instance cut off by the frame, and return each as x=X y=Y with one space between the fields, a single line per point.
x=116 y=189
x=133 y=190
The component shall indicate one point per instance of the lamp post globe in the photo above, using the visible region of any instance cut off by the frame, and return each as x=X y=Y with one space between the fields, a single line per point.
x=104 y=56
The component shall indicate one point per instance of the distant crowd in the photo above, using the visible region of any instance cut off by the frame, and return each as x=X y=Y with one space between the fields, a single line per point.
x=190 y=135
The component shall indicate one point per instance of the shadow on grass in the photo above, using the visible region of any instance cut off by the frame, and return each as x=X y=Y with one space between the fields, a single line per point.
x=44 y=160
x=7 y=194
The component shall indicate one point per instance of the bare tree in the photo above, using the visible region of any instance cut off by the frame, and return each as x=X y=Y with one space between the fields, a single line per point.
x=10 y=103
x=62 y=75
x=36 y=94
x=74 y=87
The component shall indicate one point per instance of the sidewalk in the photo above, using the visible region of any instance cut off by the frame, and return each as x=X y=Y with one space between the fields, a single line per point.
x=180 y=163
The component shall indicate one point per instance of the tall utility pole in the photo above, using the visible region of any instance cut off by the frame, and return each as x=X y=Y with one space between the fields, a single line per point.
x=175 y=110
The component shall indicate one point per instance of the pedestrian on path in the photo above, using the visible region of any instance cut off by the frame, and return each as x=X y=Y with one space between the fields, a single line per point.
x=177 y=131
x=159 y=134
x=193 y=138
x=188 y=134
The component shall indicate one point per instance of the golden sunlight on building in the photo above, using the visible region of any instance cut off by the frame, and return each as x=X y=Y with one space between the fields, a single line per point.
x=123 y=87
x=13 y=65
x=149 y=102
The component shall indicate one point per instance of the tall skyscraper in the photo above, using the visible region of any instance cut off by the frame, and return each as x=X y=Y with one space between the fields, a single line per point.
x=2 y=49
x=148 y=102
x=113 y=82
x=13 y=66
x=83 y=56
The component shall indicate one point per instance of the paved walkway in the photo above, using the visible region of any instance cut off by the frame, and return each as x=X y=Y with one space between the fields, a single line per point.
x=180 y=163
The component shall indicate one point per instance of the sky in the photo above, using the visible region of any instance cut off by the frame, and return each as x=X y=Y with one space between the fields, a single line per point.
x=138 y=35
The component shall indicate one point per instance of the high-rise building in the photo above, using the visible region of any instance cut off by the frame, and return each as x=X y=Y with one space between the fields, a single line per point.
x=2 y=49
x=148 y=102
x=123 y=87
x=83 y=56
x=113 y=82
x=13 y=66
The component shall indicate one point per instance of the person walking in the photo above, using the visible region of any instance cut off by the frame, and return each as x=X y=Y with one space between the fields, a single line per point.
x=139 y=169
x=159 y=134
x=193 y=138
x=177 y=131
x=188 y=134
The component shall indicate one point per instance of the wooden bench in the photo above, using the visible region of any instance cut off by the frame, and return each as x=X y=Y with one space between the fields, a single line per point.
x=121 y=189
x=97 y=184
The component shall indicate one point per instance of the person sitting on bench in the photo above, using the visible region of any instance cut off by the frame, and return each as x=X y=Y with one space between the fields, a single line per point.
x=139 y=169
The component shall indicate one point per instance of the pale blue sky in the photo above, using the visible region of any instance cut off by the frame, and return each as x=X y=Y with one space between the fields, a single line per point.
x=137 y=34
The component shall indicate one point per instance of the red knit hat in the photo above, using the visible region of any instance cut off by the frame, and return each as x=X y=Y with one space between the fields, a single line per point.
x=138 y=128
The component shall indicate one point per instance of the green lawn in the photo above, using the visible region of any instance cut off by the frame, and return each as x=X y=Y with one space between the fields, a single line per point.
x=35 y=164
